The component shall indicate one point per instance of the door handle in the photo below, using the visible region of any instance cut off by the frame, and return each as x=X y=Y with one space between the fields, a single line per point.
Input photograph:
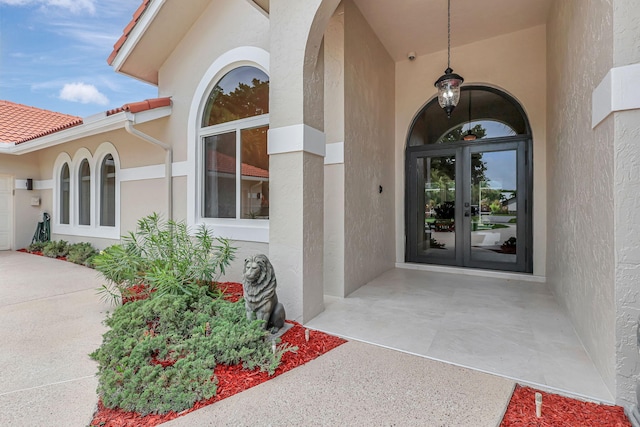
x=467 y=213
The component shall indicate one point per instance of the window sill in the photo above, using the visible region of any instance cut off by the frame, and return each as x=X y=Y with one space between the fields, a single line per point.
x=246 y=230
x=87 y=231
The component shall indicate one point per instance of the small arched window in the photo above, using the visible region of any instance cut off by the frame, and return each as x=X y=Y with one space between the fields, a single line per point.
x=65 y=192
x=482 y=113
x=84 y=193
x=108 y=192
x=233 y=137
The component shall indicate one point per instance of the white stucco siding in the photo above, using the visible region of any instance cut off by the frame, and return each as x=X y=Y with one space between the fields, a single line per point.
x=514 y=63
x=627 y=268
x=368 y=152
x=24 y=217
x=626 y=39
x=581 y=254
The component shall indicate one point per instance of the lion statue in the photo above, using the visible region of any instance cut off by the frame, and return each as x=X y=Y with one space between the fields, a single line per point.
x=260 y=299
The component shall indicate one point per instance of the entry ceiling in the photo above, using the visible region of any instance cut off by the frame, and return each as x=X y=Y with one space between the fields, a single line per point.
x=421 y=25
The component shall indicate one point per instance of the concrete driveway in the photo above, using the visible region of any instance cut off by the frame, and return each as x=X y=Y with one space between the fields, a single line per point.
x=50 y=320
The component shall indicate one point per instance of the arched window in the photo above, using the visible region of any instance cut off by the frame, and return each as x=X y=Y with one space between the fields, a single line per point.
x=65 y=192
x=108 y=192
x=482 y=113
x=235 y=165
x=84 y=193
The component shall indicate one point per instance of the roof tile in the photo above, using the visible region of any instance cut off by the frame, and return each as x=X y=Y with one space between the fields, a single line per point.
x=19 y=123
x=137 y=107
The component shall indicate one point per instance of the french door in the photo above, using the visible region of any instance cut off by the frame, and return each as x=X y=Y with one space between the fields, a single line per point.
x=469 y=205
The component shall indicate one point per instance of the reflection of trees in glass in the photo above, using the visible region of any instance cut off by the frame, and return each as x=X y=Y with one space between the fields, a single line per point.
x=245 y=101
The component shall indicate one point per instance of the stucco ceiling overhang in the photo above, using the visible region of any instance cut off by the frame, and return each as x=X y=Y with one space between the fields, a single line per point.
x=402 y=26
x=421 y=25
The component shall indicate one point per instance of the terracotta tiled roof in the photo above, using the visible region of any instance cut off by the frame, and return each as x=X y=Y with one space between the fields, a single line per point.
x=20 y=123
x=127 y=30
x=219 y=162
x=147 y=104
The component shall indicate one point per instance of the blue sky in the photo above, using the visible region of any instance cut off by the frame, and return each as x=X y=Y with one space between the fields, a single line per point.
x=53 y=55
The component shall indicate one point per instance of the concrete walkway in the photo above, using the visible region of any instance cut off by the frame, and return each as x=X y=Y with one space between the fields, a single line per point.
x=50 y=319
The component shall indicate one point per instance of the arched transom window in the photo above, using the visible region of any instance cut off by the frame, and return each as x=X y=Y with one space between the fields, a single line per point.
x=233 y=147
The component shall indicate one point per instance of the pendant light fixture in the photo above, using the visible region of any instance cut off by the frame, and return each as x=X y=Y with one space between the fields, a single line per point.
x=469 y=136
x=448 y=84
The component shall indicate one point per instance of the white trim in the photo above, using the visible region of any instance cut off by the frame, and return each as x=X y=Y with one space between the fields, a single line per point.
x=236 y=229
x=246 y=230
x=335 y=154
x=291 y=139
x=142 y=173
x=94 y=229
x=619 y=90
x=180 y=169
x=20 y=184
x=44 y=184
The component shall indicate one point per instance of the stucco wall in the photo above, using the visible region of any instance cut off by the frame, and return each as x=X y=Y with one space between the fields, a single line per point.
x=368 y=152
x=334 y=173
x=581 y=177
x=25 y=216
x=626 y=50
x=514 y=63
x=224 y=25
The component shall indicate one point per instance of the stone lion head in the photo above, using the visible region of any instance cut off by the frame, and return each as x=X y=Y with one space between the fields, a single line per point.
x=255 y=268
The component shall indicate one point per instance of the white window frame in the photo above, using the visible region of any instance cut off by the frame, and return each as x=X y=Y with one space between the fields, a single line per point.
x=94 y=229
x=236 y=126
x=250 y=230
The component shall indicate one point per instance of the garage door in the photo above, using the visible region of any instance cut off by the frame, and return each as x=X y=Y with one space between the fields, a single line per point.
x=6 y=192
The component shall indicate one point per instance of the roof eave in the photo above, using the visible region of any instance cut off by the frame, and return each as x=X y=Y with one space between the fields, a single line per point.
x=94 y=127
x=134 y=38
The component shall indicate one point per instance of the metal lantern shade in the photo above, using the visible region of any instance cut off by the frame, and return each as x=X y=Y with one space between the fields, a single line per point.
x=448 y=86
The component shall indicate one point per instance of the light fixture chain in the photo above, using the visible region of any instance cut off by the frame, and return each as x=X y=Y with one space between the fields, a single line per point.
x=448 y=33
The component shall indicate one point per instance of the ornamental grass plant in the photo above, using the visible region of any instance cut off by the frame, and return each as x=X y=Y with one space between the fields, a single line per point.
x=161 y=256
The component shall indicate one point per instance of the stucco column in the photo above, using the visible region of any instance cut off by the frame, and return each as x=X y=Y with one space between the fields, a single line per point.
x=296 y=149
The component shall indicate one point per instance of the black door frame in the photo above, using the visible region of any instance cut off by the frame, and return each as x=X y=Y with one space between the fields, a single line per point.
x=462 y=151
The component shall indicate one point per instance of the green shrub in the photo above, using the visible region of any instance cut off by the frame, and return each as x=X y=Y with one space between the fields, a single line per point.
x=37 y=246
x=136 y=370
x=81 y=253
x=163 y=257
x=56 y=248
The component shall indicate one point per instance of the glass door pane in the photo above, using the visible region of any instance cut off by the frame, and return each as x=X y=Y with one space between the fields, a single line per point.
x=494 y=207
x=435 y=214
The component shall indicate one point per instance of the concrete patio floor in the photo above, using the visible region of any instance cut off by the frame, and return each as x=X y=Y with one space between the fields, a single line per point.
x=504 y=326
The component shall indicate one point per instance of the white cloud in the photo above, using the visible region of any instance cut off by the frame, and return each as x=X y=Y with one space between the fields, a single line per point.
x=83 y=93
x=75 y=6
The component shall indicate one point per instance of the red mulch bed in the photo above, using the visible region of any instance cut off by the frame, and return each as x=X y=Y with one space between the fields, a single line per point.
x=559 y=411
x=231 y=379
x=39 y=253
